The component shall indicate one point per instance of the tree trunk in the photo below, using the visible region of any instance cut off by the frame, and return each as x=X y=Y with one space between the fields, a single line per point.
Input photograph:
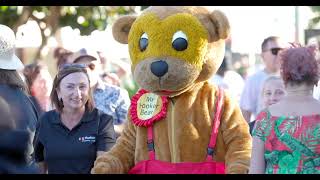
x=24 y=17
x=52 y=22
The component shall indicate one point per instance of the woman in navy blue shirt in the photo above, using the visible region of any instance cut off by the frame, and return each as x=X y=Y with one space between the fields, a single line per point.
x=69 y=138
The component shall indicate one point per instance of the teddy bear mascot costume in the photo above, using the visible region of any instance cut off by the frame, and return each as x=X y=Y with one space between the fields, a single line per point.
x=177 y=122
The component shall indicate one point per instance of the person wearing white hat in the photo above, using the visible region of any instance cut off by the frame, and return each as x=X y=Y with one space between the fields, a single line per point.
x=13 y=89
x=8 y=60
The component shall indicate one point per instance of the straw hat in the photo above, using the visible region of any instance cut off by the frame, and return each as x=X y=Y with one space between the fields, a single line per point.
x=8 y=59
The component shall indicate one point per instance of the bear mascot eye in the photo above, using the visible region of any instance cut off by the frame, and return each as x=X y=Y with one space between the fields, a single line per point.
x=179 y=41
x=143 y=43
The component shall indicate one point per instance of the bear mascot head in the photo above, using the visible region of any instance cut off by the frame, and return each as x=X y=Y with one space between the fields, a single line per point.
x=174 y=51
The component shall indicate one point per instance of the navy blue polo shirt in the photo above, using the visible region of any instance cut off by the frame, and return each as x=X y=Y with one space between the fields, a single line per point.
x=23 y=111
x=72 y=151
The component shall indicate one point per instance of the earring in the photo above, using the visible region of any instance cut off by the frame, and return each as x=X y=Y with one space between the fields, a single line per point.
x=61 y=102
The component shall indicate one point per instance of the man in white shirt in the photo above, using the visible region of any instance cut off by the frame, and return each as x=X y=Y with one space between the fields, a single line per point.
x=249 y=97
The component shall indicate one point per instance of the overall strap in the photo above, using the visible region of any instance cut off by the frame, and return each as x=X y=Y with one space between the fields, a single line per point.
x=216 y=124
x=150 y=143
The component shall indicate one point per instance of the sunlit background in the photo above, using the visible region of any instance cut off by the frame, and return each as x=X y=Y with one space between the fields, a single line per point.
x=249 y=26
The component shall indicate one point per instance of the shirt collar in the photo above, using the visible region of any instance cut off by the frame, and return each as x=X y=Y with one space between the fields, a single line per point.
x=87 y=117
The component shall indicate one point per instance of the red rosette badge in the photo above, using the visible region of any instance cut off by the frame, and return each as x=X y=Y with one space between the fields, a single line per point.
x=147 y=108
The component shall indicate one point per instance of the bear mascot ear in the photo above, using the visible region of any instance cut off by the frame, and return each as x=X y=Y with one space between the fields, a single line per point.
x=221 y=25
x=121 y=28
x=218 y=28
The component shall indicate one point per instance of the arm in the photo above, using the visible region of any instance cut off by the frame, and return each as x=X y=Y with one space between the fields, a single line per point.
x=106 y=135
x=246 y=114
x=234 y=133
x=261 y=131
x=257 y=164
x=39 y=148
x=247 y=100
x=121 y=157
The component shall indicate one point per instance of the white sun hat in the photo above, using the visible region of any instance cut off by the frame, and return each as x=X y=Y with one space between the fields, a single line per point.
x=8 y=59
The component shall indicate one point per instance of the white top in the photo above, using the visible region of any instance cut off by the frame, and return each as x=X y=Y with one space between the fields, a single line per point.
x=232 y=82
x=251 y=92
x=218 y=80
x=316 y=91
x=235 y=83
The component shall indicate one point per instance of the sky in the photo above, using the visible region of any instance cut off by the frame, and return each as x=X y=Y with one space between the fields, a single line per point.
x=249 y=26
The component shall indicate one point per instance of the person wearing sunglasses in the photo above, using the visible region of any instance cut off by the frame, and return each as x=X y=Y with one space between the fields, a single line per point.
x=70 y=137
x=108 y=98
x=270 y=48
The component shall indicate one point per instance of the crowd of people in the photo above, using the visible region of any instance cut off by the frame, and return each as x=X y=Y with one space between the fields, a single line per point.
x=62 y=124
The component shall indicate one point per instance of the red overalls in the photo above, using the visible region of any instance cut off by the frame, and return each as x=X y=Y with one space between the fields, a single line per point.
x=153 y=166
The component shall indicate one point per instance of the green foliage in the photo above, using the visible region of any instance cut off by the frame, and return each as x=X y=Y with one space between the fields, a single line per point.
x=314 y=21
x=132 y=88
x=85 y=18
x=9 y=15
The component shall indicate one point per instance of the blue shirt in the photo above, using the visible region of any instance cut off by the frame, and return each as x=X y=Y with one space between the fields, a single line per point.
x=112 y=100
x=23 y=111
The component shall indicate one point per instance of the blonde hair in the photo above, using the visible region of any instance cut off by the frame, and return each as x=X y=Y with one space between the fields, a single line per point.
x=266 y=81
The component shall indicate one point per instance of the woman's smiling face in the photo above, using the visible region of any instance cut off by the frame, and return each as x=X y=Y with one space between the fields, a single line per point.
x=74 y=90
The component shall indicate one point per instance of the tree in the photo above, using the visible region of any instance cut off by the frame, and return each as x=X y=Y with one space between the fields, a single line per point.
x=314 y=21
x=51 y=18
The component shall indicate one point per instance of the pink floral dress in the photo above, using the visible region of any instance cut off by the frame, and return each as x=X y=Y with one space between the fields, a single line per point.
x=292 y=144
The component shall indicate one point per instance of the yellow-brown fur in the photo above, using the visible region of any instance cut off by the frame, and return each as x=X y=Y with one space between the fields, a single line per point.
x=183 y=136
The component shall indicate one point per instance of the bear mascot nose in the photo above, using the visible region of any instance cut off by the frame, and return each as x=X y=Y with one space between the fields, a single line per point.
x=159 y=68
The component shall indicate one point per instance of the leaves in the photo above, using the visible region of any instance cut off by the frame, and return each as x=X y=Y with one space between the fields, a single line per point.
x=314 y=21
x=84 y=18
x=9 y=15
x=95 y=17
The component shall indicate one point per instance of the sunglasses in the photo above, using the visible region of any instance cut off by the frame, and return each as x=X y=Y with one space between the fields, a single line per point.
x=275 y=51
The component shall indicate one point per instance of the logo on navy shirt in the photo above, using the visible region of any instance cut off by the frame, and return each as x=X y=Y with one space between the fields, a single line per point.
x=87 y=139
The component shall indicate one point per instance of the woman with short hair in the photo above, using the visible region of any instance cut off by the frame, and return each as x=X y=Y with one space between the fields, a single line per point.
x=286 y=136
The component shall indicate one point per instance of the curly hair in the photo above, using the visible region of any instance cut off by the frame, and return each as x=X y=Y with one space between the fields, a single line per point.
x=299 y=65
